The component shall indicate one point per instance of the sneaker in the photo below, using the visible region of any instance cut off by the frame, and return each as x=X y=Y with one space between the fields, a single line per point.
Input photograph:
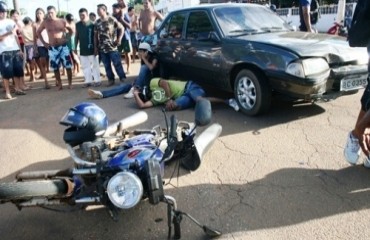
x=352 y=149
x=95 y=94
x=130 y=94
x=233 y=104
x=367 y=162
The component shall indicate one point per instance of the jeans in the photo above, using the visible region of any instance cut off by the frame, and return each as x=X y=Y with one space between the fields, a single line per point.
x=122 y=88
x=115 y=58
x=191 y=94
x=144 y=77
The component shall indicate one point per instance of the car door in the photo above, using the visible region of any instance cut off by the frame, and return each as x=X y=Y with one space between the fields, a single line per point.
x=201 y=57
x=169 y=44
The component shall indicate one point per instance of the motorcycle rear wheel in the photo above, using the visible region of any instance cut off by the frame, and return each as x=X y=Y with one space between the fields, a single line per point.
x=29 y=189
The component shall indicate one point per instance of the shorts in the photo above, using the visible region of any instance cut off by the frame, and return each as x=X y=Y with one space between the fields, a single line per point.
x=191 y=94
x=29 y=53
x=11 y=64
x=42 y=52
x=60 y=55
x=125 y=46
x=133 y=40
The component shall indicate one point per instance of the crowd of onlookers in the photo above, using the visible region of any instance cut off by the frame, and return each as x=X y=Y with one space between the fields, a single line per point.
x=51 y=41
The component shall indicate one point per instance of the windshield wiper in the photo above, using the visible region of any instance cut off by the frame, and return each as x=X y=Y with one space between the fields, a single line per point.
x=240 y=32
x=271 y=29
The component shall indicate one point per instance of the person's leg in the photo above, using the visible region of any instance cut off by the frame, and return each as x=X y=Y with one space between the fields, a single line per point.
x=128 y=61
x=43 y=67
x=94 y=61
x=122 y=88
x=55 y=60
x=116 y=59
x=66 y=59
x=18 y=73
x=7 y=89
x=105 y=58
x=144 y=76
x=86 y=69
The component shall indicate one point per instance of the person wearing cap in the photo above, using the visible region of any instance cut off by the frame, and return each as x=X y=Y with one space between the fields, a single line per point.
x=107 y=38
x=149 y=69
x=124 y=19
x=11 y=56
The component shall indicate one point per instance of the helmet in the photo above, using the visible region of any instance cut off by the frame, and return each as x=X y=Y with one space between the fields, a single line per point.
x=84 y=121
x=3 y=6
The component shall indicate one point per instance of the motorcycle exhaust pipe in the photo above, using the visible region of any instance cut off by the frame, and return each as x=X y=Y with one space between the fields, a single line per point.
x=88 y=200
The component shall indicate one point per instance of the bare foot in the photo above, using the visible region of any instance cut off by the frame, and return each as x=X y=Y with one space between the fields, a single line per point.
x=60 y=88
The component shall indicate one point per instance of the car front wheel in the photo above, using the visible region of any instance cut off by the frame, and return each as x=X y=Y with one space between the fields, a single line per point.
x=252 y=92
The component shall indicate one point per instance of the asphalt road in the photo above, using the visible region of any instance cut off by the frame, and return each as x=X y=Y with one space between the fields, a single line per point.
x=277 y=176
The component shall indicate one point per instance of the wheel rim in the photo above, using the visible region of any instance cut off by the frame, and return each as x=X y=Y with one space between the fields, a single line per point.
x=246 y=92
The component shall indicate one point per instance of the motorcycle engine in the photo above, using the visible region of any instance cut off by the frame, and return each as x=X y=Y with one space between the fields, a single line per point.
x=85 y=149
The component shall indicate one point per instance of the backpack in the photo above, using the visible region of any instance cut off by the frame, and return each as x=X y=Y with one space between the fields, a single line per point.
x=314 y=11
x=359 y=32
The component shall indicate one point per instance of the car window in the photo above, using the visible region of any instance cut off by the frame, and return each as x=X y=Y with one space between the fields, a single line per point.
x=199 y=26
x=252 y=19
x=173 y=27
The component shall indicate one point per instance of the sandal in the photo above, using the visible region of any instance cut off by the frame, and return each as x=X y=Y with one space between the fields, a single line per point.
x=47 y=87
x=19 y=92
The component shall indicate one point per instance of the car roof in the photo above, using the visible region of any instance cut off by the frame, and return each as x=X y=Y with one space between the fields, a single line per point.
x=216 y=5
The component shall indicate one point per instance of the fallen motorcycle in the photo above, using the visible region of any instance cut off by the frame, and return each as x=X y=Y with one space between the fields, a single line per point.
x=116 y=167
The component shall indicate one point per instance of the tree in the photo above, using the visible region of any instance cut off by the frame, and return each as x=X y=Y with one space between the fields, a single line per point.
x=16 y=5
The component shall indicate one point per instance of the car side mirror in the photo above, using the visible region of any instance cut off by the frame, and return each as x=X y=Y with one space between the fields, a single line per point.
x=203 y=112
x=214 y=37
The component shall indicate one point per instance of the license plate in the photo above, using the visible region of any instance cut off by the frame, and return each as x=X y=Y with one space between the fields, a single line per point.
x=353 y=83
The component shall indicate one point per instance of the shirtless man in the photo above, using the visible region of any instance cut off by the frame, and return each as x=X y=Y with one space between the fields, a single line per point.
x=147 y=19
x=133 y=29
x=58 y=49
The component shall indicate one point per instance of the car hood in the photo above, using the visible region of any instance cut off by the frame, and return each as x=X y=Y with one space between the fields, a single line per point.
x=333 y=48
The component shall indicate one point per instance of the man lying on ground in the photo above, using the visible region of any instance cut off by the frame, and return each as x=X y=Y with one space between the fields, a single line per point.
x=175 y=95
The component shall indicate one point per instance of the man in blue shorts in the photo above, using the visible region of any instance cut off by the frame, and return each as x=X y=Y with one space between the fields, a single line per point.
x=58 y=50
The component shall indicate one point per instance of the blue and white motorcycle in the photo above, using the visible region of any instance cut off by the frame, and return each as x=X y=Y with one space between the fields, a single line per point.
x=116 y=167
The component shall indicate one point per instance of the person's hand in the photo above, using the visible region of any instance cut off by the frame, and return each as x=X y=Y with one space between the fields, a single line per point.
x=20 y=53
x=117 y=43
x=171 y=105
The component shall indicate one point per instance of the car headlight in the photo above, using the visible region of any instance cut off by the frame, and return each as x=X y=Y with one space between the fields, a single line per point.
x=125 y=190
x=307 y=67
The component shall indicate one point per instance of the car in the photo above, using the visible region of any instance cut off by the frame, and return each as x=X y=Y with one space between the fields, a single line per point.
x=249 y=50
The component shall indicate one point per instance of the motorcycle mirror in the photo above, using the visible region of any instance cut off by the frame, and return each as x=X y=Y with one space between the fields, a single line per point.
x=203 y=112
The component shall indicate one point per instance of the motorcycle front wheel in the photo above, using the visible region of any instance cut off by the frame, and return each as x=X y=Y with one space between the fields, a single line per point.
x=29 y=189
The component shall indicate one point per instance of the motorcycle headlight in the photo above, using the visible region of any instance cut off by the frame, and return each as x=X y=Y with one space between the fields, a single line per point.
x=125 y=190
x=307 y=67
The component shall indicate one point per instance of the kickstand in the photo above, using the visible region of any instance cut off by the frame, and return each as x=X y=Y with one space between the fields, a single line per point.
x=175 y=217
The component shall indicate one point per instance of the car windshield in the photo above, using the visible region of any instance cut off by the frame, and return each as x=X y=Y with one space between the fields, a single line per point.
x=249 y=19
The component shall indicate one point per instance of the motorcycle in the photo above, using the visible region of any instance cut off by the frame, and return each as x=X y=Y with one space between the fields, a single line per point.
x=117 y=167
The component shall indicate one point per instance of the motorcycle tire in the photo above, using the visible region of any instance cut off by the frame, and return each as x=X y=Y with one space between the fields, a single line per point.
x=29 y=189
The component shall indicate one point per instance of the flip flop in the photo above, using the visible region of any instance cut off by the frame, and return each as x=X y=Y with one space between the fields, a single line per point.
x=19 y=92
x=8 y=96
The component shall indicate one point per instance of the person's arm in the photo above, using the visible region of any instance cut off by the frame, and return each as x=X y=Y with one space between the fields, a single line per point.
x=307 y=17
x=140 y=23
x=69 y=28
x=151 y=65
x=77 y=38
x=96 y=41
x=362 y=132
x=125 y=22
x=3 y=36
x=34 y=37
x=120 y=31
x=166 y=87
x=39 y=35
x=158 y=16
x=140 y=102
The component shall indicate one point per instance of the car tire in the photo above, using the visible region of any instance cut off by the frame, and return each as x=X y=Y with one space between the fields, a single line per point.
x=252 y=92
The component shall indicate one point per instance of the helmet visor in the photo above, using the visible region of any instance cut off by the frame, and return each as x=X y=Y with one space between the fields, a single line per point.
x=74 y=118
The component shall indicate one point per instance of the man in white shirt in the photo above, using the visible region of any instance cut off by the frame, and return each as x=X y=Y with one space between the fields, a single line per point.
x=11 y=57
